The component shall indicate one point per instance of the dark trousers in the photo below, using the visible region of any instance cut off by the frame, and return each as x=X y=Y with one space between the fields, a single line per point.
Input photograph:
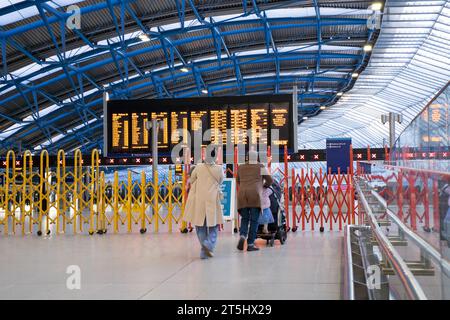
x=249 y=224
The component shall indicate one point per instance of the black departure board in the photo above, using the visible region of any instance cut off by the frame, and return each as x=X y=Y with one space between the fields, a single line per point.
x=179 y=127
x=218 y=125
x=280 y=120
x=238 y=124
x=258 y=124
x=120 y=132
x=240 y=119
x=163 y=135
x=139 y=133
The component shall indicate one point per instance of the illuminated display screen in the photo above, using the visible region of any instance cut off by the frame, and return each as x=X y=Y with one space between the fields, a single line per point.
x=218 y=125
x=245 y=116
x=163 y=134
x=139 y=132
x=258 y=124
x=120 y=131
x=239 y=124
x=199 y=123
x=280 y=120
x=179 y=121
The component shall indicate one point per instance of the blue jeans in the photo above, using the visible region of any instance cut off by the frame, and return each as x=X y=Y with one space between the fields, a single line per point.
x=249 y=224
x=207 y=237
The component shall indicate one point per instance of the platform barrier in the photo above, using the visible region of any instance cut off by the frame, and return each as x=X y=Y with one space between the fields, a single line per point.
x=322 y=199
x=414 y=195
x=76 y=199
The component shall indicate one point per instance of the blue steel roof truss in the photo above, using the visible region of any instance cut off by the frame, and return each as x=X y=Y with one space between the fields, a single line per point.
x=77 y=69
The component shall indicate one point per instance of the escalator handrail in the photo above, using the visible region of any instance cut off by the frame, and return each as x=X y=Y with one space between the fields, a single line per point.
x=409 y=282
x=349 y=290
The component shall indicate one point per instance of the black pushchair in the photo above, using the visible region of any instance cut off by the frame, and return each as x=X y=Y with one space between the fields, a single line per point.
x=277 y=229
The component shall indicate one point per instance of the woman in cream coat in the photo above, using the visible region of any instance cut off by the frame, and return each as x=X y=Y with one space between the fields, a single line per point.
x=203 y=208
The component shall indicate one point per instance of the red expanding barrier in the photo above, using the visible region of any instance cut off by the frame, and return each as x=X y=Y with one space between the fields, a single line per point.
x=413 y=194
x=311 y=199
x=323 y=199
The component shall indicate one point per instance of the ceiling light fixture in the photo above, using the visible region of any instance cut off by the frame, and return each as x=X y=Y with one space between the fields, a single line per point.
x=339 y=94
x=144 y=37
x=322 y=107
x=376 y=6
x=305 y=118
x=355 y=75
x=184 y=69
x=367 y=48
x=204 y=91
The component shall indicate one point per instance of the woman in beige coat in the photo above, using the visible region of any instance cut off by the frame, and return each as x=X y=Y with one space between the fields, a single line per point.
x=203 y=208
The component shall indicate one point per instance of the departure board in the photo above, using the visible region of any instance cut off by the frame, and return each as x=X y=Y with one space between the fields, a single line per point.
x=218 y=125
x=280 y=121
x=258 y=124
x=139 y=132
x=163 y=134
x=199 y=122
x=120 y=131
x=179 y=121
x=234 y=119
x=239 y=124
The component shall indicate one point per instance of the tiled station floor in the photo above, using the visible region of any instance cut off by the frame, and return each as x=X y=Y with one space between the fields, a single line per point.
x=167 y=266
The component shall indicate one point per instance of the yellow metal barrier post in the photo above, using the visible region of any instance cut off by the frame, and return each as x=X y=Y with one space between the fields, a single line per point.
x=77 y=177
x=43 y=193
x=61 y=194
x=93 y=191
x=129 y=195
x=170 y=207
x=116 y=202
x=156 y=201
x=27 y=188
x=102 y=205
x=8 y=183
x=142 y=204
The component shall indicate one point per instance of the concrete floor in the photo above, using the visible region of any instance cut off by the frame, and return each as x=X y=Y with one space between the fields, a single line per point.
x=166 y=266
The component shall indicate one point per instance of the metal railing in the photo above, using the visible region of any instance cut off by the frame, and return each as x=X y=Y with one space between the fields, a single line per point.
x=424 y=246
x=349 y=288
x=409 y=282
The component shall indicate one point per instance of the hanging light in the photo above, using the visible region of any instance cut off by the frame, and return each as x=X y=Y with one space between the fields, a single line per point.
x=204 y=91
x=144 y=37
x=355 y=75
x=367 y=48
x=184 y=70
x=376 y=6
x=322 y=107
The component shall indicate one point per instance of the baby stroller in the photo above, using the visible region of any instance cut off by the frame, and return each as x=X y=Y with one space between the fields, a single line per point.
x=277 y=229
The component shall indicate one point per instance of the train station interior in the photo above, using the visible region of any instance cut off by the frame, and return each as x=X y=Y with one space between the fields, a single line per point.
x=310 y=138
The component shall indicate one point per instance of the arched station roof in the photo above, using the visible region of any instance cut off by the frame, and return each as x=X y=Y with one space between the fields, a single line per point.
x=53 y=77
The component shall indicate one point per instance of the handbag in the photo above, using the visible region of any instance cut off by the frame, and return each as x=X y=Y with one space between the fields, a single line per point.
x=221 y=195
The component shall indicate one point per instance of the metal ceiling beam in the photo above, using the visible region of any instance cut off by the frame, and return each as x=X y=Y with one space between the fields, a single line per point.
x=164 y=80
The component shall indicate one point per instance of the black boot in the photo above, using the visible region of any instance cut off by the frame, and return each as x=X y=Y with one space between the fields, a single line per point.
x=241 y=242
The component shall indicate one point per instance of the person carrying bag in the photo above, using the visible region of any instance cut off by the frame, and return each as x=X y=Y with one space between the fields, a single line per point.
x=203 y=208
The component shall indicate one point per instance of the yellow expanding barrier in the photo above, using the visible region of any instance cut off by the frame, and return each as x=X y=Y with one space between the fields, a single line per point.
x=76 y=199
